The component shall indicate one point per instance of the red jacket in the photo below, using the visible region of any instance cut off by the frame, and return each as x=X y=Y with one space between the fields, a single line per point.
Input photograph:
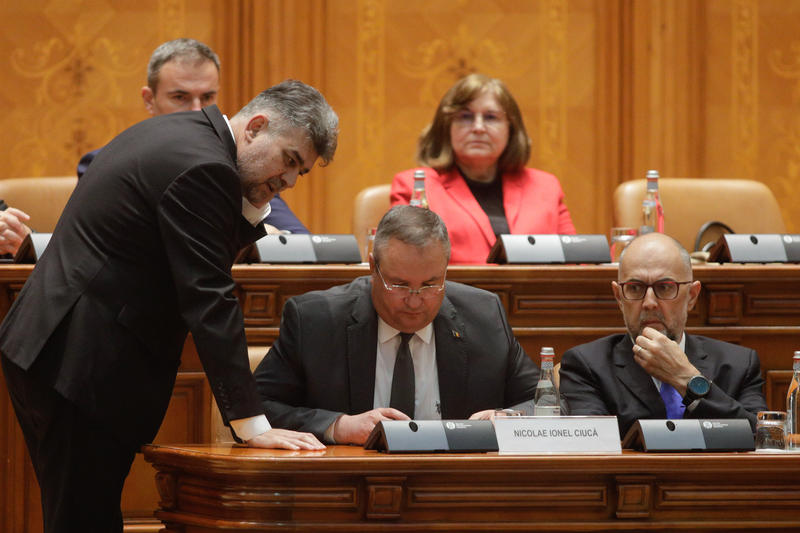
x=533 y=201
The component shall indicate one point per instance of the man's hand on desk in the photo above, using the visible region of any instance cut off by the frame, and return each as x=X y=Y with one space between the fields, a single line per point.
x=286 y=439
x=487 y=414
x=12 y=229
x=356 y=428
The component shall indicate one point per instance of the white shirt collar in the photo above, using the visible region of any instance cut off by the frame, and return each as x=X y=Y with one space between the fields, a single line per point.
x=387 y=332
x=251 y=213
x=254 y=215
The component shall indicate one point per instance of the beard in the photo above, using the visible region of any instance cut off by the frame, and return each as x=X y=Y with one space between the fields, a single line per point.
x=257 y=190
x=635 y=329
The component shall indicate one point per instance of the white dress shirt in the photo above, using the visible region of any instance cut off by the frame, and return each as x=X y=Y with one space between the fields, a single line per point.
x=426 y=375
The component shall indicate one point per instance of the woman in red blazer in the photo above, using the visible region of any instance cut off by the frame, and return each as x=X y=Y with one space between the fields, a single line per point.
x=474 y=154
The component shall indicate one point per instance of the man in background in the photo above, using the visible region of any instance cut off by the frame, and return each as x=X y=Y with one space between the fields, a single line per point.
x=183 y=75
x=401 y=343
x=142 y=256
x=656 y=370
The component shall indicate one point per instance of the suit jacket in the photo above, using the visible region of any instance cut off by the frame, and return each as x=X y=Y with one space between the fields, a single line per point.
x=601 y=378
x=281 y=216
x=323 y=363
x=533 y=201
x=142 y=254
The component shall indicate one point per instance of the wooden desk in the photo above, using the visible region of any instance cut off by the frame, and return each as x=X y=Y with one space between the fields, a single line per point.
x=559 y=306
x=221 y=488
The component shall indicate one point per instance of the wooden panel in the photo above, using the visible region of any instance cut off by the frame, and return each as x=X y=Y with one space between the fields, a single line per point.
x=237 y=488
x=188 y=419
x=73 y=73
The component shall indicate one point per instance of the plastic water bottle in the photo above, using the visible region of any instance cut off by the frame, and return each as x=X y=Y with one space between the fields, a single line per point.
x=652 y=210
x=546 y=398
x=418 y=197
x=793 y=406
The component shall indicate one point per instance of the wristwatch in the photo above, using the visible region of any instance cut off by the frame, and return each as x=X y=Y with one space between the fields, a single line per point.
x=697 y=388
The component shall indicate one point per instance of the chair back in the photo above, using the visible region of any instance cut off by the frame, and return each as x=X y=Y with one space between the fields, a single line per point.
x=369 y=207
x=747 y=206
x=41 y=198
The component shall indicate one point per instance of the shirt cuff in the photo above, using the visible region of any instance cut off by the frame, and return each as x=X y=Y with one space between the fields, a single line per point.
x=247 y=428
x=328 y=435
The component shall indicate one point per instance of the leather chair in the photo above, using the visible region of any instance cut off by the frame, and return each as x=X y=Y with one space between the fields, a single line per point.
x=368 y=208
x=42 y=198
x=746 y=206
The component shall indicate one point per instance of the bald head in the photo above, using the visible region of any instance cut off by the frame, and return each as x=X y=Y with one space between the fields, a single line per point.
x=653 y=248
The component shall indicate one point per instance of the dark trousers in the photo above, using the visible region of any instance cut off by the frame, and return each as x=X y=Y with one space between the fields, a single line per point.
x=80 y=465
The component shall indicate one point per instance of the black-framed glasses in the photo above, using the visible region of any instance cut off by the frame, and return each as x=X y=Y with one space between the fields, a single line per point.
x=664 y=289
x=404 y=291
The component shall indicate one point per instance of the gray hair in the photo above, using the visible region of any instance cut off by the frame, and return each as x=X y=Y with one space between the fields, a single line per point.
x=298 y=105
x=178 y=49
x=411 y=225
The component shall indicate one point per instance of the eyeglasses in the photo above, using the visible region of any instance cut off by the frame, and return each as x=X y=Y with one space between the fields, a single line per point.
x=404 y=291
x=491 y=119
x=664 y=289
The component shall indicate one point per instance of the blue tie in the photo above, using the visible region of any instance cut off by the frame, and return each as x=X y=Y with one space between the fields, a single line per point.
x=672 y=401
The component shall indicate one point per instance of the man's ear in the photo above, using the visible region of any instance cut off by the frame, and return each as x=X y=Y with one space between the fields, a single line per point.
x=148 y=98
x=617 y=293
x=694 y=292
x=256 y=124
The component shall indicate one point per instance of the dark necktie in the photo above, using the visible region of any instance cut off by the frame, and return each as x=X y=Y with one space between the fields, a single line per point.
x=672 y=401
x=403 y=378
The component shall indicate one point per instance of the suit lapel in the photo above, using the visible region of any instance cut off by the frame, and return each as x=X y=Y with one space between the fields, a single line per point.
x=455 y=186
x=512 y=199
x=451 y=358
x=221 y=128
x=636 y=380
x=697 y=355
x=362 y=344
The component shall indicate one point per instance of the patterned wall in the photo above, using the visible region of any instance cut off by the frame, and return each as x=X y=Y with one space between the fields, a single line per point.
x=607 y=88
x=72 y=74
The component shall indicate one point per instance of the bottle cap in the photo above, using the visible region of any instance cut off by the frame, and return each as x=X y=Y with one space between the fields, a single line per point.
x=652 y=180
x=796 y=354
x=419 y=174
x=547 y=351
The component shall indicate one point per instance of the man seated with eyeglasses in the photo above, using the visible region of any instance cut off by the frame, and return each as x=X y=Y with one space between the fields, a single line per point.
x=400 y=343
x=655 y=370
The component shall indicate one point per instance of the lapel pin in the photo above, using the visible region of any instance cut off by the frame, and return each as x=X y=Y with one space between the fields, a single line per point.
x=456 y=334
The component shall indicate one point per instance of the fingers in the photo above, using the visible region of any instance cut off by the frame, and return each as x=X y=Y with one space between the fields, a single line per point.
x=487 y=414
x=18 y=214
x=389 y=413
x=285 y=439
x=12 y=231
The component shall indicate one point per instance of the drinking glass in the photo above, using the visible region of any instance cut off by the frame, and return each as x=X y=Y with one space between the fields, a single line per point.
x=620 y=239
x=771 y=430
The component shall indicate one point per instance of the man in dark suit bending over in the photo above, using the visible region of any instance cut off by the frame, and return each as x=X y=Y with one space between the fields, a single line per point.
x=656 y=370
x=400 y=343
x=141 y=256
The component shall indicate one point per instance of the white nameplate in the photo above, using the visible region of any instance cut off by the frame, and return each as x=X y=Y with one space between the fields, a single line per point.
x=557 y=434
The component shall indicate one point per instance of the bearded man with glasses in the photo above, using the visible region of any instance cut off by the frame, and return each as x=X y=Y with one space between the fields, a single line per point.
x=399 y=344
x=655 y=370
